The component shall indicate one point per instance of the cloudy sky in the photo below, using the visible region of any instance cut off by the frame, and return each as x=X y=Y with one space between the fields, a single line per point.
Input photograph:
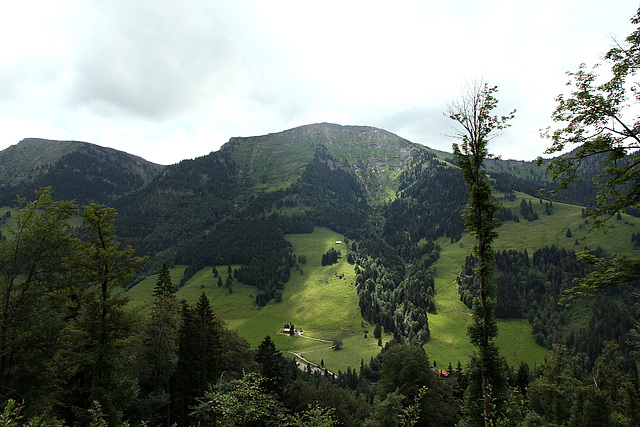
x=169 y=80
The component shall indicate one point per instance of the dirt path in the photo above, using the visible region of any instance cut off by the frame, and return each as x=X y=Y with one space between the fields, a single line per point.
x=314 y=367
x=299 y=354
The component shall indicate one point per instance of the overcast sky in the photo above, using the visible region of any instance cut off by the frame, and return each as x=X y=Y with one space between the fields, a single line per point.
x=170 y=80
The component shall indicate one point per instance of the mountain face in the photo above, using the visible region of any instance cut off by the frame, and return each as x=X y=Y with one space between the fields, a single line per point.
x=358 y=180
x=234 y=206
x=374 y=156
x=76 y=170
x=322 y=174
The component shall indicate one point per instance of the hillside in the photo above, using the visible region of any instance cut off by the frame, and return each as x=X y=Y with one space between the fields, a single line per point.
x=275 y=161
x=77 y=170
x=396 y=203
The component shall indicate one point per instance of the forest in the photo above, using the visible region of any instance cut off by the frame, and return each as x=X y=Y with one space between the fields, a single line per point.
x=75 y=351
x=174 y=362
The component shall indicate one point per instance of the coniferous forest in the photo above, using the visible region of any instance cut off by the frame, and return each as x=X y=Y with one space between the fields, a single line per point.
x=90 y=225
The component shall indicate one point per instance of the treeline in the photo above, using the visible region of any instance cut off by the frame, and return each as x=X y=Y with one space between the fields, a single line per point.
x=332 y=195
x=429 y=205
x=532 y=288
x=178 y=206
x=330 y=257
x=258 y=245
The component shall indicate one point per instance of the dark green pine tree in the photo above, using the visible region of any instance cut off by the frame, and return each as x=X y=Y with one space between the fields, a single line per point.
x=159 y=352
x=164 y=287
x=269 y=361
x=199 y=355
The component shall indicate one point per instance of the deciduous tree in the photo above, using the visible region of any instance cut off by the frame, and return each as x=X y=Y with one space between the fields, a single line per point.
x=32 y=295
x=598 y=118
x=95 y=361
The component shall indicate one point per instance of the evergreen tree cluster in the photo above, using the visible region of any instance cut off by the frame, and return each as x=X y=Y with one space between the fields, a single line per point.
x=258 y=245
x=176 y=207
x=392 y=296
x=428 y=206
x=527 y=211
x=533 y=288
x=505 y=214
x=330 y=257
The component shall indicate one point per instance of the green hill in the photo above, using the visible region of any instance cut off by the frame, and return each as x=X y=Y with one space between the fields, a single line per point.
x=262 y=202
x=76 y=170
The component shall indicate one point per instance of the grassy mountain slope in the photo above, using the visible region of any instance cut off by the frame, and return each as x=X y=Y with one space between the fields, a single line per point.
x=339 y=181
x=320 y=300
x=276 y=160
x=76 y=170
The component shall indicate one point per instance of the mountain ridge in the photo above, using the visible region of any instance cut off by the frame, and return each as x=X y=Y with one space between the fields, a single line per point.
x=78 y=170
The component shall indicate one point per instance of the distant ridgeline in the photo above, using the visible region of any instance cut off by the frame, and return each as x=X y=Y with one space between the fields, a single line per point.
x=75 y=170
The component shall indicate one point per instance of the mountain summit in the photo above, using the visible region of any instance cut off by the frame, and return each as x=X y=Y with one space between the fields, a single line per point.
x=76 y=170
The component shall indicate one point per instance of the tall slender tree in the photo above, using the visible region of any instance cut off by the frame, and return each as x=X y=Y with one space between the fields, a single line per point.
x=476 y=126
x=199 y=354
x=159 y=352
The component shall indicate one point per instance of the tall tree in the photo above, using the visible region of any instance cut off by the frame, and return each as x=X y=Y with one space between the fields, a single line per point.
x=270 y=365
x=199 y=354
x=158 y=351
x=32 y=294
x=476 y=126
x=95 y=360
x=599 y=119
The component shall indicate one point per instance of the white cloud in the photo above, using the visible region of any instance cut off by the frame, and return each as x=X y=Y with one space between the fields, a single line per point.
x=175 y=80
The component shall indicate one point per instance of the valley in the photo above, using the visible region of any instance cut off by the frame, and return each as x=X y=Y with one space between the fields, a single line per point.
x=249 y=237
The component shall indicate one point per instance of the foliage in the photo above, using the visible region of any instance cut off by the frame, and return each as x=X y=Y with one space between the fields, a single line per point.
x=390 y=296
x=33 y=287
x=258 y=245
x=477 y=127
x=158 y=351
x=314 y=416
x=99 y=333
x=430 y=199
x=241 y=402
x=270 y=365
x=597 y=117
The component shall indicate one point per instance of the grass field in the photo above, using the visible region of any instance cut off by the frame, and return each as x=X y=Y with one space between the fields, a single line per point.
x=449 y=342
x=320 y=300
x=323 y=300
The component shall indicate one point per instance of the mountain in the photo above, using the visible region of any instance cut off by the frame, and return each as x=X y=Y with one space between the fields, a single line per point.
x=76 y=170
x=395 y=201
x=373 y=155
x=320 y=174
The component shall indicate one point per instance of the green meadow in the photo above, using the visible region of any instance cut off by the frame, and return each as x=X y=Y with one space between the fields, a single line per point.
x=323 y=302
x=449 y=342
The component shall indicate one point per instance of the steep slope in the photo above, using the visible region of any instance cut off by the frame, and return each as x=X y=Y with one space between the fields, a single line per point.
x=276 y=160
x=76 y=170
